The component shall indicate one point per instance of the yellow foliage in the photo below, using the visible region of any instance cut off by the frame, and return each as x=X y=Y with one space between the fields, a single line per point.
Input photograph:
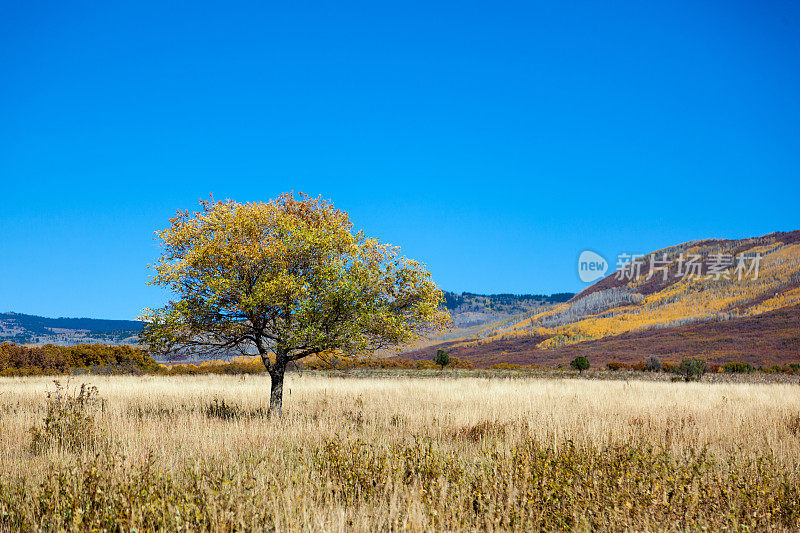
x=690 y=299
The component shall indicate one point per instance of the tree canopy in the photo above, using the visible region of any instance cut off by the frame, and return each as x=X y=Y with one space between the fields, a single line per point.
x=580 y=364
x=286 y=278
x=442 y=358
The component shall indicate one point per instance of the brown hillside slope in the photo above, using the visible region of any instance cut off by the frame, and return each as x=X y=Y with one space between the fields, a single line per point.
x=772 y=337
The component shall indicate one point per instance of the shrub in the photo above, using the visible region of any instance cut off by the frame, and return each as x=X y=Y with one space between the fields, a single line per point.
x=463 y=364
x=580 y=364
x=738 y=367
x=653 y=364
x=26 y=360
x=50 y=359
x=442 y=358
x=506 y=366
x=70 y=421
x=691 y=369
x=354 y=469
x=618 y=365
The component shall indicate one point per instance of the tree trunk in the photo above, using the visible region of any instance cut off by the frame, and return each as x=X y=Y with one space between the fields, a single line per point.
x=276 y=391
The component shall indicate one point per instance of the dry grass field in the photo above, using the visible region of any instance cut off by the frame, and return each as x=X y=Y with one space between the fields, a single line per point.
x=465 y=453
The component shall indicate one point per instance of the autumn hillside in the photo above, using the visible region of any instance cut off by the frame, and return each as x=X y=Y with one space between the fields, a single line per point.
x=720 y=299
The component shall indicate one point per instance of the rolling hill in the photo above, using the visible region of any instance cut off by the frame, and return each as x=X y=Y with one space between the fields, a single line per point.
x=31 y=329
x=479 y=314
x=472 y=314
x=743 y=286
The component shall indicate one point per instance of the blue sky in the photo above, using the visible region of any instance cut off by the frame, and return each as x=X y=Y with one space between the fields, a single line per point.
x=493 y=141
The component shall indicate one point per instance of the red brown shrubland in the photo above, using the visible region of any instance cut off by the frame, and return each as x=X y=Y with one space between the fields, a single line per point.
x=770 y=337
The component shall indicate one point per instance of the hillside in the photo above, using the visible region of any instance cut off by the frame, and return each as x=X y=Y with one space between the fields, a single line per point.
x=479 y=315
x=31 y=329
x=469 y=309
x=772 y=337
x=472 y=314
x=725 y=291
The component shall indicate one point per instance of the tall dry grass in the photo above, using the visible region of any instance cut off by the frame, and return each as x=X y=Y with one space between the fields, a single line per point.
x=199 y=452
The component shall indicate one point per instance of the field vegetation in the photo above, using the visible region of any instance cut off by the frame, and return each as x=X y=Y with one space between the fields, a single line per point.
x=201 y=452
x=113 y=360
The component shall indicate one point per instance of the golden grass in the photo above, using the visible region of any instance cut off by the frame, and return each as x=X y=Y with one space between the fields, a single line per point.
x=295 y=472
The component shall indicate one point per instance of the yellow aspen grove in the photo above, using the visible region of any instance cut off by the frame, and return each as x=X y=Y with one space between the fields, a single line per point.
x=682 y=301
x=287 y=279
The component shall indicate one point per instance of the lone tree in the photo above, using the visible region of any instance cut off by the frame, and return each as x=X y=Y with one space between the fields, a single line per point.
x=285 y=279
x=580 y=364
x=442 y=358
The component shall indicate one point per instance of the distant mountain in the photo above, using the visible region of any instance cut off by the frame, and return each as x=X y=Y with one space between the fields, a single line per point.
x=506 y=303
x=31 y=329
x=479 y=314
x=470 y=309
x=731 y=282
x=471 y=312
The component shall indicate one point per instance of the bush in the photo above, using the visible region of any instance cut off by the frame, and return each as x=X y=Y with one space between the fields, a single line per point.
x=738 y=367
x=26 y=361
x=618 y=365
x=463 y=364
x=506 y=366
x=580 y=364
x=653 y=364
x=50 y=359
x=691 y=369
x=70 y=421
x=442 y=358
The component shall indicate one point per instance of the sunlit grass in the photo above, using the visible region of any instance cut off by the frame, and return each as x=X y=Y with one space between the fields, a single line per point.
x=199 y=452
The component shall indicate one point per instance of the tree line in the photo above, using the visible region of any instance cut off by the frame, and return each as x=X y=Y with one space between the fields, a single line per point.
x=52 y=359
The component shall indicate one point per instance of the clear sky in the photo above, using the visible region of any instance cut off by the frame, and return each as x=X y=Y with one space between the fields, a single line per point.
x=494 y=141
